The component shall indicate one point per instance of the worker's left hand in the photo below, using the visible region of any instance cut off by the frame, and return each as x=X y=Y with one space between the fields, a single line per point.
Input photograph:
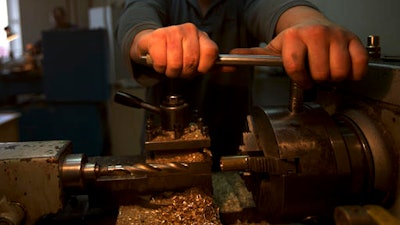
x=317 y=51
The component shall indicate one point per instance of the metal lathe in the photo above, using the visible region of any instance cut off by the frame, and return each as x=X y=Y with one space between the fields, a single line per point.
x=331 y=160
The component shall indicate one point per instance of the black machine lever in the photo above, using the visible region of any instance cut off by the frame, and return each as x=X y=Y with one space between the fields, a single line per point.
x=126 y=99
x=173 y=111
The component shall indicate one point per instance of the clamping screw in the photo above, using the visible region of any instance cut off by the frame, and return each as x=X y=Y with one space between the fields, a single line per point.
x=373 y=47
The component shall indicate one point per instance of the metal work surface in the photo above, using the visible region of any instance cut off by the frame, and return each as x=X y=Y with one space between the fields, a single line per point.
x=29 y=175
x=382 y=83
x=34 y=149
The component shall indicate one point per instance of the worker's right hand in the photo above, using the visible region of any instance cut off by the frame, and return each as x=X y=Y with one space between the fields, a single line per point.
x=176 y=51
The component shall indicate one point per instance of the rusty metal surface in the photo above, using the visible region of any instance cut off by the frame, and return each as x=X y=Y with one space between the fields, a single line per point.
x=10 y=212
x=34 y=149
x=29 y=175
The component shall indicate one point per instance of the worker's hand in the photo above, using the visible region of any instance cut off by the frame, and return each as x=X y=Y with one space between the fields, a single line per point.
x=314 y=49
x=320 y=51
x=176 y=51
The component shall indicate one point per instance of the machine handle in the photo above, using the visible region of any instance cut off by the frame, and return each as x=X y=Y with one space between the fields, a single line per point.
x=126 y=99
x=234 y=60
x=248 y=60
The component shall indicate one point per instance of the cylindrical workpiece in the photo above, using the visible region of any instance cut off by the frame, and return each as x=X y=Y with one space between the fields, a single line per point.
x=234 y=163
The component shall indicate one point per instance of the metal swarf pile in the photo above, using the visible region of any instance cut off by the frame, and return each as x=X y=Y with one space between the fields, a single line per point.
x=192 y=206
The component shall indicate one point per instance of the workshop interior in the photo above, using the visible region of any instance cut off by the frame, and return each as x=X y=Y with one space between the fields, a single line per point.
x=73 y=122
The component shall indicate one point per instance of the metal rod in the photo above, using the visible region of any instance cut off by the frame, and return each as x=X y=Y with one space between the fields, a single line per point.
x=235 y=60
x=249 y=60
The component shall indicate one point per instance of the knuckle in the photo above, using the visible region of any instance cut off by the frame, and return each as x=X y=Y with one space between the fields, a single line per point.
x=318 y=31
x=187 y=28
x=273 y=49
x=157 y=34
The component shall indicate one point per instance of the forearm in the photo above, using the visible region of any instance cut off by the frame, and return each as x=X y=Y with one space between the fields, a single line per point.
x=261 y=16
x=298 y=15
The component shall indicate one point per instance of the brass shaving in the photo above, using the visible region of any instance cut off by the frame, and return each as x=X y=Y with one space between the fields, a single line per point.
x=190 y=133
x=189 y=207
x=188 y=157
